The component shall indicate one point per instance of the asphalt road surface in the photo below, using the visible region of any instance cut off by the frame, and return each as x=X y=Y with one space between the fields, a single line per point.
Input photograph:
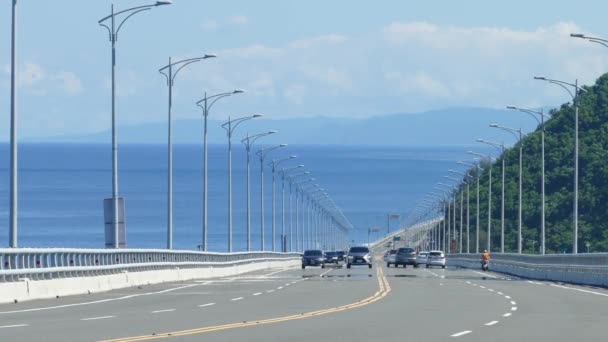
x=332 y=304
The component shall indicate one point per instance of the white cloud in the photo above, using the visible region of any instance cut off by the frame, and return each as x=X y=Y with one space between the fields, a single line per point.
x=70 y=82
x=328 y=39
x=31 y=74
x=238 y=20
x=437 y=66
x=419 y=83
x=295 y=93
x=209 y=25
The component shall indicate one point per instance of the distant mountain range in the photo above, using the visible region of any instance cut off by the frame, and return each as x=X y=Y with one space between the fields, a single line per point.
x=459 y=126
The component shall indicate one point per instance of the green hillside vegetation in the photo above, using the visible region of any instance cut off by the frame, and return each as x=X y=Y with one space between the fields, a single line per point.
x=559 y=186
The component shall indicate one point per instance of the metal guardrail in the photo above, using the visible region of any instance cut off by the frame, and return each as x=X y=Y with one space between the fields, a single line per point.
x=51 y=263
x=589 y=269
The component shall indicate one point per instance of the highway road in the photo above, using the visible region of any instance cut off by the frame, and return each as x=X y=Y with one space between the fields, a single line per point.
x=316 y=304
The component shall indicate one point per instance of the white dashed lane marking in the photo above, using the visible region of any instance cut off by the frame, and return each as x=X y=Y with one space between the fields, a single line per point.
x=96 y=318
x=507 y=314
x=13 y=326
x=257 y=293
x=208 y=304
x=491 y=323
x=237 y=298
x=160 y=311
x=462 y=333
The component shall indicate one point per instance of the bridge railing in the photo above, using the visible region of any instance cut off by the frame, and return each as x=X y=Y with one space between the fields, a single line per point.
x=50 y=263
x=588 y=269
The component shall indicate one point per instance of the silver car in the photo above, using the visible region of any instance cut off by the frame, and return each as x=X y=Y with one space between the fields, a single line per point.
x=389 y=257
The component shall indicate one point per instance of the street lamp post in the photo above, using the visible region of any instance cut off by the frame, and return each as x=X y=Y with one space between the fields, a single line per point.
x=574 y=96
x=170 y=75
x=477 y=208
x=230 y=126
x=262 y=154
x=291 y=186
x=518 y=136
x=283 y=172
x=113 y=35
x=206 y=103
x=248 y=142
x=461 y=209
x=300 y=223
x=273 y=164
x=466 y=175
x=501 y=148
x=541 y=122
x=13 y=227
x=489 y=240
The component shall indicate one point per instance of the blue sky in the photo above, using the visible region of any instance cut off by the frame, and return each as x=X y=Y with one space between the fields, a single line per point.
x=294 y=59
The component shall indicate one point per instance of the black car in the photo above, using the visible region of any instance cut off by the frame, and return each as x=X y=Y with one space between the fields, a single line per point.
x=313 y=257
x=359 y=256
x=341 y=255
x=331 y=257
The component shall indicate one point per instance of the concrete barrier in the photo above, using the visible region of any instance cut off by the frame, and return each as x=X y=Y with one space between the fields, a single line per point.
x=27 y=289
x=583 y=269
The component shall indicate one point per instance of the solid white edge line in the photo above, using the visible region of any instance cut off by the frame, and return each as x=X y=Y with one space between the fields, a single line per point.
x=486 y=275
x=208 y=304
x=580 y=290
x=166 y=310
x=507 y=314
x=237 y=298
x=461 y=333
x=491 y=323
x=96 y=318
x=14 y=326
x=100 y=301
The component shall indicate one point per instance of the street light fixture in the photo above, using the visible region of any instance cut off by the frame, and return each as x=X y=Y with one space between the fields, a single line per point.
x=206 y=106
x=489 y=242
x=248 y=142
x=536 y=114
x=291 y=180
x=273 y=164
x=230 y=126
x=113 y=35
x=262 y=154
x=466 y=175
x=574 y=96
x=521 y=143
x=501 y=148
x=477 y=215
x=167 y=71
x=283 y=172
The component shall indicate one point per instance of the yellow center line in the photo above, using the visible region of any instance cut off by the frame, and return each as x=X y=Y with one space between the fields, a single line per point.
x=383 y=289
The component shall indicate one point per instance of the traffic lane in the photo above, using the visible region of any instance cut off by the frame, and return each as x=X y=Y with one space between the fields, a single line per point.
x=113 y=294
x=420 y=306
x=308 y=295
x=146 y=299
x=548 y=311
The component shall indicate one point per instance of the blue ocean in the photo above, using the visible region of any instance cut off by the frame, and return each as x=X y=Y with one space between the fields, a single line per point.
x=62 y=187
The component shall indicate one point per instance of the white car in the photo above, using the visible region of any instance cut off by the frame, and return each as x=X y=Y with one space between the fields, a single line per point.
x=435 y=258
x=389 y=257
x=423 y=258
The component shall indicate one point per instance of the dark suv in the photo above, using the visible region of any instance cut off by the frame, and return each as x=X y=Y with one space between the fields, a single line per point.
x=359 y=256
x=313 y=257
x=406 y=256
